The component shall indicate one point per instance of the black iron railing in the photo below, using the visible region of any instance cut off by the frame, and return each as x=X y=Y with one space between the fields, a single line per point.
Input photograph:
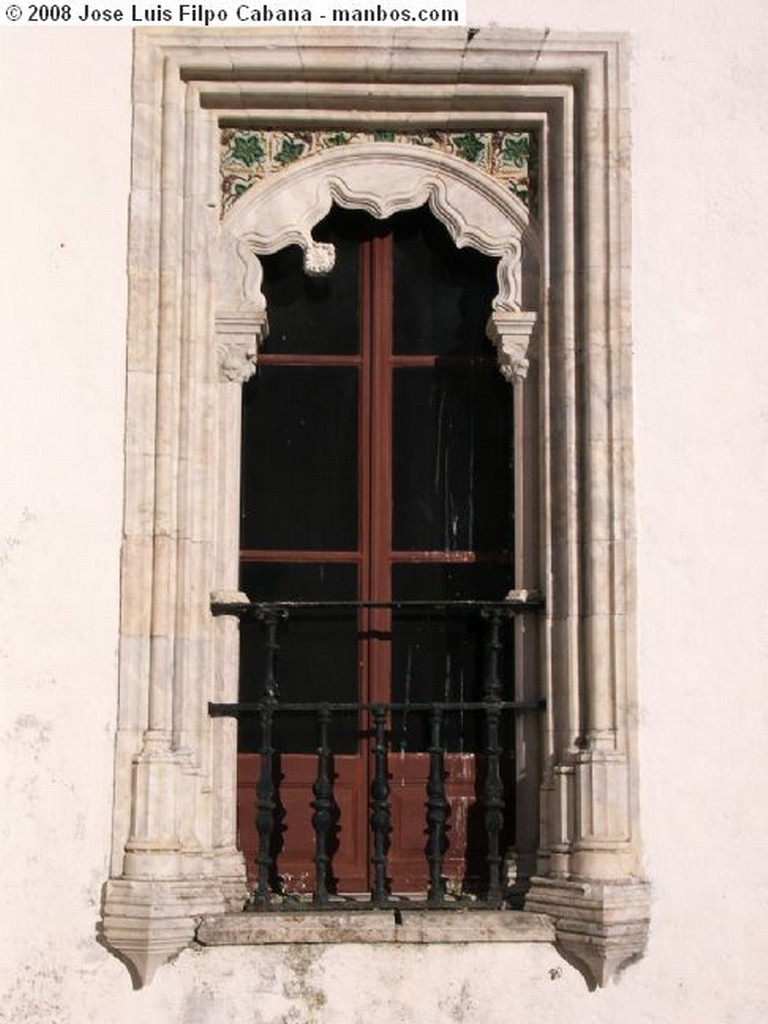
x=490 y=708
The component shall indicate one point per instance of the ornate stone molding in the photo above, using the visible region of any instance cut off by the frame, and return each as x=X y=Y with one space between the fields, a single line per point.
x=196 y=318
x=382 y=179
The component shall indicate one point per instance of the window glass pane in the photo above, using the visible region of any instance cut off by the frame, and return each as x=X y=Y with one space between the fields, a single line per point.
x=300 y=459
x=440 y=657
x=443 y=295
x=317 y=657
x=316 y=315
x=452 y=474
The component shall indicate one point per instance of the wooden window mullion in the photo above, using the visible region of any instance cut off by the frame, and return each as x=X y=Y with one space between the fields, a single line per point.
x=381 y=255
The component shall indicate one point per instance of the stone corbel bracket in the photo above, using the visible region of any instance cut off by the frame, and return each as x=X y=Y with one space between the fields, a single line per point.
x=238 y=336
x=601 y=926
x=510 y=331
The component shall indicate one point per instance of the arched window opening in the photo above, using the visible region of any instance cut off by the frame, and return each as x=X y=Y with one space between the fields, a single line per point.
x=376 y=471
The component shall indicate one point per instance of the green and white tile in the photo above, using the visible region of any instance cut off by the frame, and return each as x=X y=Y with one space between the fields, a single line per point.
x=250 y=155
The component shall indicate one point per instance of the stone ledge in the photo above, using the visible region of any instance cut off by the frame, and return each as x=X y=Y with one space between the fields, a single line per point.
x=412 y=926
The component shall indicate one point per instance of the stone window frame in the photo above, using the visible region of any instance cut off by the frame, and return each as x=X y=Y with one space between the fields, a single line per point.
x=174 y=858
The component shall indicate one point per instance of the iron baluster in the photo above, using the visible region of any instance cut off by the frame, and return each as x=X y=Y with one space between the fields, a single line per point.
x=492 y=648
x=380 y=816
x=266 y=803
x=323 y=804
x=270 y=677
x=437 y=809
x=493 y=795
x=265 y=806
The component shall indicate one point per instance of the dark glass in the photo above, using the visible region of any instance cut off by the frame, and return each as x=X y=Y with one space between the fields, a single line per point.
x=452 y=482
x=315 y=315
x=441 y=657
x=443 y=294
x=317 y=658
x=300 y=459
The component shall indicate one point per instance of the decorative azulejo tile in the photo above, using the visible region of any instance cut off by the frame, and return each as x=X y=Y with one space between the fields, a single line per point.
x=249 y=155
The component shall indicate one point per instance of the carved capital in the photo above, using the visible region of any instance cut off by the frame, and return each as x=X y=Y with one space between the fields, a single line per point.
x=238 y=335
x=237 y=360
x=510 y=331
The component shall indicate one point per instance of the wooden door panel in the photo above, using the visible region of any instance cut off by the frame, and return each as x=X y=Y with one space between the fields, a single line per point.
x=409 y=868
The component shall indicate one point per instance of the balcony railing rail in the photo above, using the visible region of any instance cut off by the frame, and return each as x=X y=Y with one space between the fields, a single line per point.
x=265 y=897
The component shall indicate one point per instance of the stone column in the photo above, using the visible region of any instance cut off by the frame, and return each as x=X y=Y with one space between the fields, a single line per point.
x=511 y=332
x=238 y=336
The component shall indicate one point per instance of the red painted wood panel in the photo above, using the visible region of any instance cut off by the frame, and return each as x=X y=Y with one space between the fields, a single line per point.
x=294 y=846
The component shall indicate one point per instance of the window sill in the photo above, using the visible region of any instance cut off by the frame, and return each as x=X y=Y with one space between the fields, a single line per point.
x=412 y=926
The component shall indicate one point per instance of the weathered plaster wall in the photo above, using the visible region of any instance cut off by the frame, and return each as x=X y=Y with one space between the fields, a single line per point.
x=699 y=79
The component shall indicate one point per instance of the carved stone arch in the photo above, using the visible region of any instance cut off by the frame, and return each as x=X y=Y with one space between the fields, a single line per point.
x=382 y=179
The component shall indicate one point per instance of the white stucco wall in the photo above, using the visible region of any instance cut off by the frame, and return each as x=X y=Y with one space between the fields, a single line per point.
x=699 y=81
